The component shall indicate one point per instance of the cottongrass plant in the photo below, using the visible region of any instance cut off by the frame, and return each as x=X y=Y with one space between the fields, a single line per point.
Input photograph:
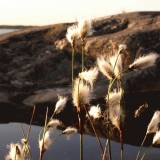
x=72 y=35
x=44 y=143
x=105 y=67
x=144 y=62
x=89 y=76
x=16 y=152
x=53 y=124
x=81 y=30
x=154 y=123
x=111 y=67
x=153 y=127
x=61 y=103
x=95 y=112
x=116 y=113
x=69 y=131
x=156 y=140
x=115 y=110
x=85 y=29
x=24 y=141
x=81 y=95
x=116 y=63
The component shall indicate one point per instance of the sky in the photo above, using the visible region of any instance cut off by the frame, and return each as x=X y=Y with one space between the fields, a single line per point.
x=46 y=12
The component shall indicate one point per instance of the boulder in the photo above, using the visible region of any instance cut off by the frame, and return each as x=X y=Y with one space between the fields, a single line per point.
x=39 y=58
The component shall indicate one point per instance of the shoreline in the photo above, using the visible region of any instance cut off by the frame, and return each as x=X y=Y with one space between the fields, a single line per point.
x=15 y=26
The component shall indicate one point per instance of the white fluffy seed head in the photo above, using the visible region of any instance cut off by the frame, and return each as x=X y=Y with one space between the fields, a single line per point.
x=15 y=150
x=45 y=143
x=154 y=123
x=24 y=141
x=72 y=34
x=156 y=139
x=60 y=104
x=114 y=98
x=81 y=93
x=85 y=28
x=115 y=111
x=69 y=131
x=95 y=112
x=105 y=67
x=89 y=76
x=115 y=115
x=122 y=47
x=116 y=62
x=144 y=61
x=53 y=124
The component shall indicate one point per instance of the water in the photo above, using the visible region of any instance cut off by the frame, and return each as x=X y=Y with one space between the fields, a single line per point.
x=3 y=31
x=67 y=149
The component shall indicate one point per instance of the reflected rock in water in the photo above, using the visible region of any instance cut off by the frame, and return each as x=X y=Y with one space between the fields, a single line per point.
x=133 y=131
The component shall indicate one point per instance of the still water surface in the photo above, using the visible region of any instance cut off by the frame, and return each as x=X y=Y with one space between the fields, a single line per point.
x=63 y=149
x=3 y=31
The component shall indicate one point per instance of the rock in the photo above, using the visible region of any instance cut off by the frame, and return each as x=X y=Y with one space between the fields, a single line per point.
x=37 y=60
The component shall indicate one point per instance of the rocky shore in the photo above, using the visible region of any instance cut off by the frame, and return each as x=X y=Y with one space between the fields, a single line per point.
x=35 y=63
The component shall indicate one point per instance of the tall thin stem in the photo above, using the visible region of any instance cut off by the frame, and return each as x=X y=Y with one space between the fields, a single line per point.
x=81 y=134
x=116 y=59
x=27 y=141
x=141 y=147
x=56 y=138
x=80 y=124
x=109 y=144
x=146 y=151
x=104 y=155
x=121 y=141
x=44 y=132
x=108 y=129
x=29 y=129
x=72 y=67
x=82 y=55
x=100 y=144
x=113 y=80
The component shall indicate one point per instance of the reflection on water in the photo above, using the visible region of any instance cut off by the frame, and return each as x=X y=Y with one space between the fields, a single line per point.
x=66 y=149
x=134 y=131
